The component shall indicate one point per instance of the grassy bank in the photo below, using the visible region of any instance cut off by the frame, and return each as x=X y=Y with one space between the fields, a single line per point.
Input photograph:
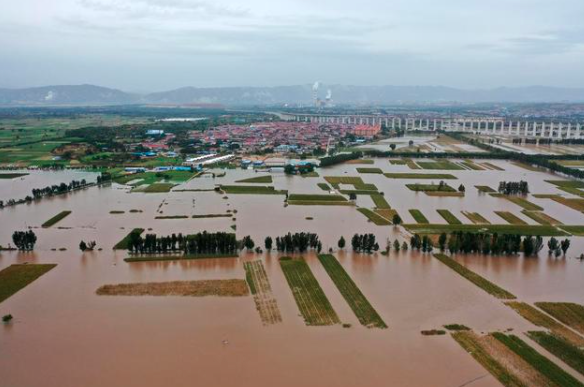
x=430 y=188
x=309 y=296
x=158 y=188
x=484 y=188
x=12 y=175
x=123 y=244
x=55 y=219
x=476 y=279
x=211 y=216
x=16 y=277
x=380 y=202
x=362 y=308
x=369 y=170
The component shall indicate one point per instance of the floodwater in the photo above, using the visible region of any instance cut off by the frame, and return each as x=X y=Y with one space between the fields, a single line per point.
x=63 y=335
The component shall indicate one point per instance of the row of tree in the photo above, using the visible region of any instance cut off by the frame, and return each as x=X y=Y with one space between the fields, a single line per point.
x=195 y=244
x=339 y=158
x=513 y=187
x=300 y=241
x=485 y=243
x=364 y=242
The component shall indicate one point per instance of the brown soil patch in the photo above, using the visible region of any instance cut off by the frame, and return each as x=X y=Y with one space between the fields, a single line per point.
x=225 y=288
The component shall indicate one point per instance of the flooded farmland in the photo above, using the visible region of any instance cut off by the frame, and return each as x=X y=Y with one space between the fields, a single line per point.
x=63 y=334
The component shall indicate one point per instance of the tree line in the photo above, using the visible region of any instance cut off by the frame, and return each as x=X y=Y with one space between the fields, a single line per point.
x=194 y=244
x=339 y=158
x=364 y=242
x=513 y=187
x=300 y=241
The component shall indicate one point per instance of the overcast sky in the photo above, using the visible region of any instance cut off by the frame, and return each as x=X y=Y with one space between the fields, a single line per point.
x=152 y=45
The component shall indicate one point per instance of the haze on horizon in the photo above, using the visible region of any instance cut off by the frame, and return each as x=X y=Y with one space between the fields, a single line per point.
x=152 y=45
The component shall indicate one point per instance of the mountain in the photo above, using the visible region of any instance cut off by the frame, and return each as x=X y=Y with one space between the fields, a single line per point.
x=86 y=95
x=65 y=95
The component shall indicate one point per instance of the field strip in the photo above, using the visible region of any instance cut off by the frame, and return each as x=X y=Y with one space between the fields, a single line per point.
x=364 y=311
x=259 y=284
x=569 y=313
x=310 y=298
x=476 y=279
x=541 y=319
x=18 y=276
x=223 y=288
x=560 y=348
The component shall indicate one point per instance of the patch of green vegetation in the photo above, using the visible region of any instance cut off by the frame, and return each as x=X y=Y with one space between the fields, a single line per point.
x=251 y=190
x=16 y=277
x=433 y=332
x=377 y=219
x=12 y=175
x=380 y=202
x=574 y=230
x=476 y=279
x=158 y=188
x=316 y=198
x=456 y=327
x=469 y=164
x=437 y=176
x=171 y=217
x=541 y=319
x=55 y=219
x=430 y=187
x=155 y=177
x=533 y=230
x=526 y=204
x=370 y=170
x=324 y=186
x=448 y=216
x=567 y=183
x=265 y=179
x=211 y=216
x=310 y=174
x=154 y=258
x=510 y=218
x=419 y=217
x=485 y=189
x=309 y=296
x=475 y=217
x=117 y=212
x=364 y=311
x=493 y=166
x=575 y=204
x=355 y=181
x=123 y=244
x=568 y=353
x=541 y=218
x=440 y=164
x=539 y=362
x=569 y=313
x=472 y=345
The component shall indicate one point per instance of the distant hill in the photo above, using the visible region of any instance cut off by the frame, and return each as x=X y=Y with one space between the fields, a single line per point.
x=85 y=95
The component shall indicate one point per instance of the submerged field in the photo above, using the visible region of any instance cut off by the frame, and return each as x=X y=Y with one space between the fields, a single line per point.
x=300 y=311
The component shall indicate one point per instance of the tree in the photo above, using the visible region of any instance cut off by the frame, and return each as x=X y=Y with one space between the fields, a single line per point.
x=396 y=219
x=82 y=246
x=352 y=196
x=405 y=246
x=248 y=243
x=552 y=245
x=411 y=143
x=268 y=243
x=565 y=245
x=396 y=245
x=461 y=188
x=341 y=243
x=392 y=146
x=24 y=240
x=442 y=241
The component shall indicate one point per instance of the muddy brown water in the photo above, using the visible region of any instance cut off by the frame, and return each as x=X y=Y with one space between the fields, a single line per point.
x=64 y=335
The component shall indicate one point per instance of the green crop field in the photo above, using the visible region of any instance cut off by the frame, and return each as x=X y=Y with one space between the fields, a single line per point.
x=541 y=217
x=369 y=170
x=485 y=189
x=526 y=204
x=437 y=176
x=364 y=311
x=123 y=244
x=251 y=190
x=355 y=181
x=533 y=230
x=55 y=219
x=265 y=179
x=568 y=353
x=419 y=217
x=441 y=164
x=430 y=188
x=380 y=202
x=510 y=218
x=449 y=217
x=476 y=279
x=377 y=219
x=569 y=313
x=309 y=296
x=16 y=277
x=475 y=217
